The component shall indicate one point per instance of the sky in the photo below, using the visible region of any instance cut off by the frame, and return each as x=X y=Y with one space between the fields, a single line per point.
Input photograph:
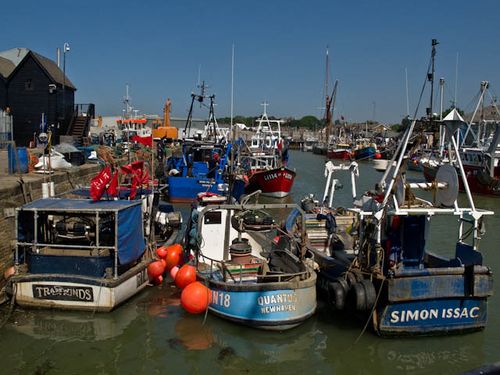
x=158 y=48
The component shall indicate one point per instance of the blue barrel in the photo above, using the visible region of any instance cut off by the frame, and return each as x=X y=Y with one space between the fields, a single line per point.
x=22 y=159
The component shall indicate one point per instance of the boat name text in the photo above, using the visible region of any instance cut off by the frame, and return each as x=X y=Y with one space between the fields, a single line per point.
x=63 y=292
x=277 y=303
x=428 y=314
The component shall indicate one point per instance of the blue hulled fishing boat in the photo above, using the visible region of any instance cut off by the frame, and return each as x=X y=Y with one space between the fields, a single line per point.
x=200 y=164
x=253 y=280
x=392 y=275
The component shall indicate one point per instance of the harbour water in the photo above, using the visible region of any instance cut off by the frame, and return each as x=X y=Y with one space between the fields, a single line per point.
x=151 y=334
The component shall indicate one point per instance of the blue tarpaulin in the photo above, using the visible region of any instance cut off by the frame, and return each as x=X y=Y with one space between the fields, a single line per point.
x=131 y=243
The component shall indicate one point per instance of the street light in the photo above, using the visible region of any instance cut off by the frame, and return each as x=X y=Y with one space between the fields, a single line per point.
x=65 y=49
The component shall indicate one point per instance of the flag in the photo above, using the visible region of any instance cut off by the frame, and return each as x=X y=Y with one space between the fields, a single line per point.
x=113 y=185
x=145 y=178
x=146 y=141
x=99 y=182
x=133 y=187
x=132 y=168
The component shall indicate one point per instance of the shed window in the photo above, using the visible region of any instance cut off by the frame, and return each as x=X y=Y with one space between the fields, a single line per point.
x=28 y=85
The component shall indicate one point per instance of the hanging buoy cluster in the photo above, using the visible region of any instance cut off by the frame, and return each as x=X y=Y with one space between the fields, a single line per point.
x=169 y=257
x=195 y=296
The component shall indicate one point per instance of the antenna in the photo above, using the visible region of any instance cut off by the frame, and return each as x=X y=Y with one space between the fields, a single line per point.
x=199 y=75
x=456 y=82
x=264 y=104
x=126 y=101
x=407 y=95
x=232 y=84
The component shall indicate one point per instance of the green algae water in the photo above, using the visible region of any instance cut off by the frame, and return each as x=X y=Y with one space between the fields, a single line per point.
x=152 y=334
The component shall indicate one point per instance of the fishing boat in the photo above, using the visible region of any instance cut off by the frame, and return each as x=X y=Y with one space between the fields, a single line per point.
x=365 y=150
x=200 y=162
x=309 y=143
x=340 y=151
x=257 y=275
x=481 y=164
x=329 y=231
x=397 y=280
x=78 y=254
x=265 y=162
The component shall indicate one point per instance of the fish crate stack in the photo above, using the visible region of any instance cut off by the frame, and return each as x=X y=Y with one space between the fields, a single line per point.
x=317 y=232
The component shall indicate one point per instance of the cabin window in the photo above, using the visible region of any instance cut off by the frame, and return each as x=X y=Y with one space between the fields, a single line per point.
x=214 y=217
x=28 y=85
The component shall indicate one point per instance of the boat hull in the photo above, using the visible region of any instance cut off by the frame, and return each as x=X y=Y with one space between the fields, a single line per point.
x=269 y=306
x=365 y=153
x=440 y=316
x=186 y=189
x=275 y=183
x=76 y=292
x=338 y=154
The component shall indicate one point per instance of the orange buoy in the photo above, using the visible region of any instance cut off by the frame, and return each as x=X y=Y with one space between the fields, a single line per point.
x=195 y=298
x=162 y=252
x=164 y=262
x=158 y=280
x=185 y=276
x=155 y=269
x=177 y=247
x=173 y=272
x=173 y=258
x=9 y=272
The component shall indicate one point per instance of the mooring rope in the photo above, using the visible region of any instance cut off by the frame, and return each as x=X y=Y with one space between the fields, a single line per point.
x=11 y=307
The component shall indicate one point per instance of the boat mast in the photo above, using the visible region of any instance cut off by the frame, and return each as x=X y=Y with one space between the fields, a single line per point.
x=430 y=77
x=327 y=98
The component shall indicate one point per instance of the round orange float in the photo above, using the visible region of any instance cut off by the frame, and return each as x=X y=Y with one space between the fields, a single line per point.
x=155 y=269
x=185 y=276
x=174 y=257
x=195 y=298
x=162 y=252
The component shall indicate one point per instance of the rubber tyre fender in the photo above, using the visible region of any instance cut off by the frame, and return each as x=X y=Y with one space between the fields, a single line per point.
x=350 y=278
x=337 y=295
x=370 y=293
x=344 y=283
x=358 y=297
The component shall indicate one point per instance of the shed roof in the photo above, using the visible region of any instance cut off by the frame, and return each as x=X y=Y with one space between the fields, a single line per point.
x=6 y=67
x=12 y=58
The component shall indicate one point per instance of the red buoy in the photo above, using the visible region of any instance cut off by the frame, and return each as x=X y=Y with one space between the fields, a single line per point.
x=177 y=247
x=173 y=258
x=378 y=155
x=185 y=276
x=164 y=262
x=195 y=298
x=162 y=252
x=155 y=269
x=158 y=280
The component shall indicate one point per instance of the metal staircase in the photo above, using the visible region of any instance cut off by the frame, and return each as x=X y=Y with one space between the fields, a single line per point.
x=80 y=122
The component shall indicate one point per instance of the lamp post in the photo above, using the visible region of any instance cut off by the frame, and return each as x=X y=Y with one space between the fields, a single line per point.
x=65 y=49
